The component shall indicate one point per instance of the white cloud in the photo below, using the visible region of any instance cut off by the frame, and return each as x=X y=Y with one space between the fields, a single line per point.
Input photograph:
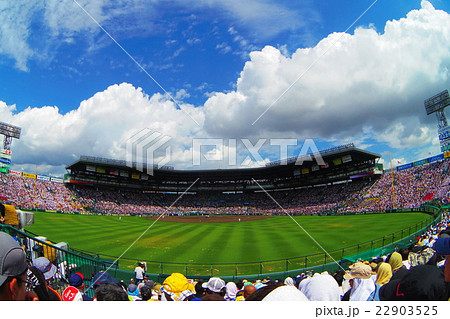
x=100 y=126
x=14 y=32
x=359 y=83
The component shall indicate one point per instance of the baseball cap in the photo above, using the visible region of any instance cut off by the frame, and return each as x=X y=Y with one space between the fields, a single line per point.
x=215 y=284
x=103 y=277
x=442 y=246
x=359 y=270
x=13 y=261
x=44 y=265
x=76 y=279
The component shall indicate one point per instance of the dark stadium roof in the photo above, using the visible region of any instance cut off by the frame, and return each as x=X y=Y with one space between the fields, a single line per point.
x=339 y=159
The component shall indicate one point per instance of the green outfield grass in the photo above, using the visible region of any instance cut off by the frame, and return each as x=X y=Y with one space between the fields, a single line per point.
x=252 y=241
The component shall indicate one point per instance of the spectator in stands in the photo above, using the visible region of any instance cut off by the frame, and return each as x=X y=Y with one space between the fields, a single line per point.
x=13 y=271
x=277 y=292
x=176 y=288
x=289 y=281
x=215 y=289
x=404 y=252
x=199 y=291
x=145 y=292
x=421 y=283
x=75 y=292
x=2 y=213
x=77 y=280
x=321 y=287
x=49 y=271
x=248 y=290
x=231 y=291
x=384 y=273
x=110 y=292
x=362 y=285
x=442 y=247
x=395 y=260
x=37 y=283
x=139 y=273
x=133 y=292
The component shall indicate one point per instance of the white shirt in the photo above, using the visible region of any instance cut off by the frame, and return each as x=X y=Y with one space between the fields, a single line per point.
x=139 y=273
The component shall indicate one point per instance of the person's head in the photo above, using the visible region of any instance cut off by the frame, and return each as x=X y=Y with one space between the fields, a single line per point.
x=339 y=276
x=395 y=260
x=384 y=273
x=404 y=252
x=146 y=292
x=199 y=290
x=176 y=287
x=215 y=285
x=102 y=277
x=248 y=290
x=110 y=292
x=77 y=280
x=47 y=268
x=13 y=269
x=132 y=290
x=359 y=270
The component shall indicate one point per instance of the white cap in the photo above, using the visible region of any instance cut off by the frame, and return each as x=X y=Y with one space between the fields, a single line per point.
x=215 y=284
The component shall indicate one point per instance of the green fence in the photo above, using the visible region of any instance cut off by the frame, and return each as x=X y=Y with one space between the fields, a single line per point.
x=74 y=260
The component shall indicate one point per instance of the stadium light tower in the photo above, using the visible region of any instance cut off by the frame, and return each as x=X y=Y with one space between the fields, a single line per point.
x=437 y=104
x=10 y=132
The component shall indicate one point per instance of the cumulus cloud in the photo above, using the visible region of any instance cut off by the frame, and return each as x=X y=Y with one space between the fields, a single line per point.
x=100 y=126
x=361 y=82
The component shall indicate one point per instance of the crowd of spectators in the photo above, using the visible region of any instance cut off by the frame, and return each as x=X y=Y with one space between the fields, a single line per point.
x=31 y=193
x=420 y=272
x=402 y=189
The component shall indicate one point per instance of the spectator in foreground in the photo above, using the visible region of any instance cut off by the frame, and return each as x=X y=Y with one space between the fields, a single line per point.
x=13 y=271
x=361 y=282
x=322 y=288
x=176 y=288
x=384 y=274
x=76 y=280
x=110 y=292
x=215 y=289
x=421 y=283
x=231 y=291
x=49 y=271
x=37 y=283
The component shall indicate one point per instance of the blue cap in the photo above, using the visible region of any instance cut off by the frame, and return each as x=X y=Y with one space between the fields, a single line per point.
x=442 y=246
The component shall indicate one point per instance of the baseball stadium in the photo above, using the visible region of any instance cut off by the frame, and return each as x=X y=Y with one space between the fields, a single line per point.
x=277 y=221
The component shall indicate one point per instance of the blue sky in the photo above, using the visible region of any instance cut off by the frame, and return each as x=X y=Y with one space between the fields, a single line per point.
x=74 y=91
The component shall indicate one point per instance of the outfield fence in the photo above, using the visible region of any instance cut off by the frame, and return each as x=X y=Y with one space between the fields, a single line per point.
x=70 y=260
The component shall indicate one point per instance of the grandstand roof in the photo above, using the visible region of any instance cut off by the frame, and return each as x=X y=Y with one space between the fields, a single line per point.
x=341 y=163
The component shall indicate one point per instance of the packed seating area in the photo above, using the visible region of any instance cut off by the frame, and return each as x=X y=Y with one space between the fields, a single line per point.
x=420 y=272
x=402 y=189
x=405 y=189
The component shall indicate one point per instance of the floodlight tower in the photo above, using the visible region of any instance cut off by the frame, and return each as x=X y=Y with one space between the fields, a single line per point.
x=10 y=132
x=437 y=104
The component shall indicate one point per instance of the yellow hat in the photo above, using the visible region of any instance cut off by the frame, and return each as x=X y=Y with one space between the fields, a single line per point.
x=176 y=283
